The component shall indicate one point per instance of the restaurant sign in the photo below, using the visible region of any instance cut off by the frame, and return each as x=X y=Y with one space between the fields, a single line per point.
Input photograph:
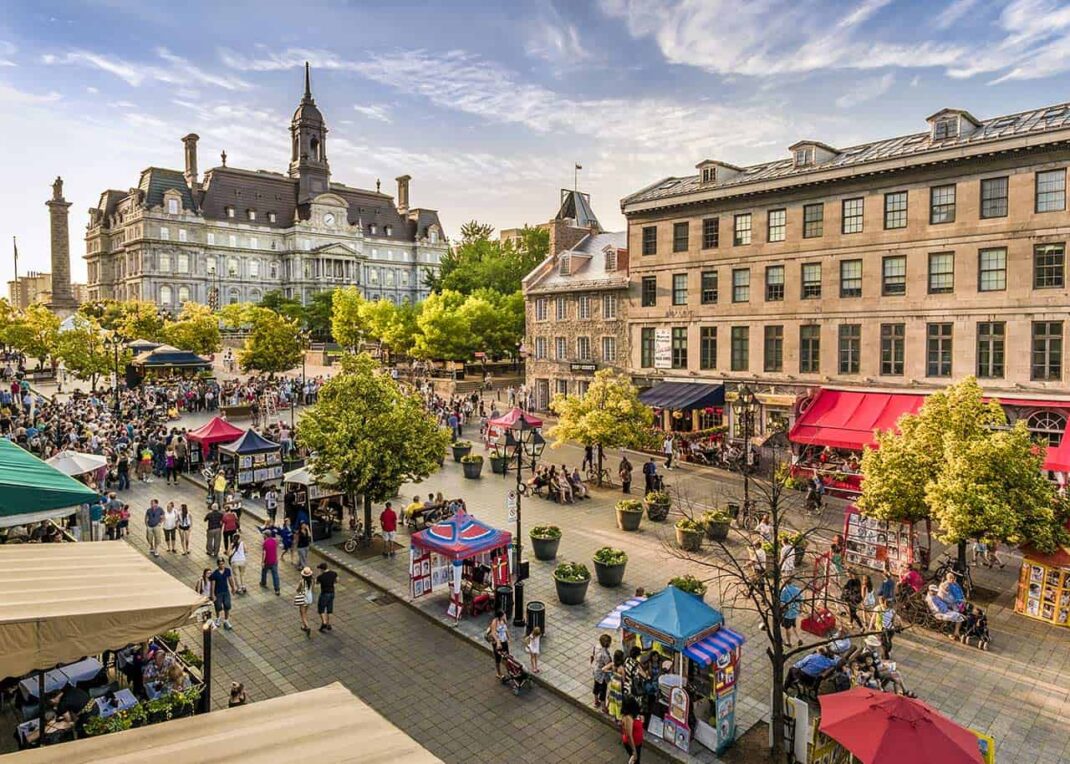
x=662 y=349
x=583 y=368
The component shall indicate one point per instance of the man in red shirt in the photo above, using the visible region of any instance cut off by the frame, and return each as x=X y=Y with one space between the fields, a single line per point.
x=388 y=520
x=270 y=561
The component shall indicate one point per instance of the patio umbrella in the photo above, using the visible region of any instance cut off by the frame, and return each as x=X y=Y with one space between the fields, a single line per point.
x=76 y=463
x=882 y=728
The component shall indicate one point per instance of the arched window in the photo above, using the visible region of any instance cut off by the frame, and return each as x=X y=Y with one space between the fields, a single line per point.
x=209 y=265
x=183 y=294
x=1047 y=426
x=234 y=297
x=314 y=146
x=254 y=295
x=165 y=295
x=232 y=266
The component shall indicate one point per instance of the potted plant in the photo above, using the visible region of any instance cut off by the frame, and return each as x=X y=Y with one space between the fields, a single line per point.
x=497 y=461
x=609 y=566
x=798 y=543
x=191 y=658
x=472 y=466
x=461 y=449
x=689 y=584
x=170 y=638
x=571 y=580
x=689 y=534
x=629 y=514
x=544 y=540
x=717 y=523
x=657 y=505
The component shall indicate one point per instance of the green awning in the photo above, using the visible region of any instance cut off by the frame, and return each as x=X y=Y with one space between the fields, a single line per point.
x=31 y=489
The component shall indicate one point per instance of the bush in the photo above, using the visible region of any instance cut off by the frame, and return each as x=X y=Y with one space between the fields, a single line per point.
x=630 y=505
x=547 y=532
x=688 y=584
x=191 y=658
x=572 y=572
x=170 y=638
x=472 y=459
x=716 y=516
x=658 y=497
x=796 y=539
x=687 y=524
x=607 y=555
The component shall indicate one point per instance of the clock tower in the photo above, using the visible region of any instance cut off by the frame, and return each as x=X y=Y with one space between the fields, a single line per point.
x=308 y=158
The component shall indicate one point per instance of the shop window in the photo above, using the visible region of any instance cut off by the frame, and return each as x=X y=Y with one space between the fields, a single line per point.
x=1047 y=426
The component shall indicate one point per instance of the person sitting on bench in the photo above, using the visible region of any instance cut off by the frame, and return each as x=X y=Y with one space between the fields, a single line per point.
x=808 y=672
x=951 y=592
x=942 y=611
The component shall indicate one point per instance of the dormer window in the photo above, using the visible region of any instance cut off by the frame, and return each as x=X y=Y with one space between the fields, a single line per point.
x=230 y=212
x=948 y=127
x=172 y=206
x=611 y=260
x=251 y=214
x=373 y=229
x=709 y=174
x=564 y=265
x=387 y=230
x=804 y=157
x=271 y=217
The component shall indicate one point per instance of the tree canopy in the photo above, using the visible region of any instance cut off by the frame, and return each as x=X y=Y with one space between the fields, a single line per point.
x=196 y=330
x=274 y=342
x=479 y=262
x=34 y=331
x=610 y=414
x=85 y=353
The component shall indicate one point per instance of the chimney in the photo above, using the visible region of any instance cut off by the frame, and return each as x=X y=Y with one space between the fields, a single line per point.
x=403 y=193
x=190 y=142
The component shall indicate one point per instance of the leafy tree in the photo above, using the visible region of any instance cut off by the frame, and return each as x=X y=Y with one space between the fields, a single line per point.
x=478 y=262
x=85 y=352
x=34 y=332
x=140 y=321
x=443 y=330
x=318 y=313
x=274 y=343
x=285 y=306
x=7 y=317
x=392 y=326
x=369 y=432
x=610 y=415
x=196 y=330
x=347 y=325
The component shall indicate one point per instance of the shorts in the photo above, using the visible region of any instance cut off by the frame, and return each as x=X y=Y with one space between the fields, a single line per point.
x=325 y=603
x=222 y=603
x=788 y=623
x=154 y=534
x=388 y=536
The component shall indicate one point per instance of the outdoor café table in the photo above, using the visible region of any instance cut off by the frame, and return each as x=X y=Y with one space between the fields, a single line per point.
x=28 y=728
x=152 y=692
x=83 y=670
x=124 y=699
x=54 y=680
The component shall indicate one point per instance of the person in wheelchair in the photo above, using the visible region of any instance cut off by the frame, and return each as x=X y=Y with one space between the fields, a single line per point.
x=944 y=612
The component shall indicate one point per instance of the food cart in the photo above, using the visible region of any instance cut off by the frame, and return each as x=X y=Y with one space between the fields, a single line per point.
x=319 y=496
x=464 y=554
x=257 y=460
x=1044 y=585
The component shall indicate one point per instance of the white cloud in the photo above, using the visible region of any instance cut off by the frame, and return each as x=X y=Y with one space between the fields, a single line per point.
x=380 y=113
x=555 y=40
x=12 y=95
x=175 y=70
x=866 y=90
x=92 y=90
x=954 y=11
x=7 y=53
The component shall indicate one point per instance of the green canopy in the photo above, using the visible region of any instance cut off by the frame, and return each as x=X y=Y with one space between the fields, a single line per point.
x=31 y=490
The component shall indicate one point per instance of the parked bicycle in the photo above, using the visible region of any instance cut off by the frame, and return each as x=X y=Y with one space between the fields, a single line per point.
x=949 y=564
x=748 y=517
x=357 y=539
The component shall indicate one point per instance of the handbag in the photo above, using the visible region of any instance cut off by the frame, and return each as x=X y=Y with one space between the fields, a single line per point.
x=303 y=597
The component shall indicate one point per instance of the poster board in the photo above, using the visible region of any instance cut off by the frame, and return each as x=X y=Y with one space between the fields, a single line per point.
x=662 y=349
x=870 y=543
x=259 y=468
x=1043 y=593
x=419 y=573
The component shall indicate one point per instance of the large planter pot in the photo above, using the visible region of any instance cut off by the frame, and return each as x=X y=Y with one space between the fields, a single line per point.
x=689 y=541
x=657 y=511
x=497 y=465
x=459 y=452
x=717 y=531
x=545 y=549
x=609 y=575
x=472 y=470
x=571 y=593
x=629 y=521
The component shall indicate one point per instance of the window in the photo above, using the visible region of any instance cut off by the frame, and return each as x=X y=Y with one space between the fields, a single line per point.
x=272 y=217
x=709 y=287
x=992 y=270
x=850 y=278
x=679 y=237
x=540 y=348
x=251 y=214
x=709 y=174
x=804 y=156
x=938 y=350
x=1048 y=426
x=561 y=308
x=774 y=283
x=182 y=235
x=609 y=349
x=373 y=229
x=740 y=348
x=774 y=348
x=232 y=266
x=650 y=291
x=232 y=240
x=813 y=220
x=165 y=262
x=895 y=210
x=254 y=269
x=945 y=128
x=165 y=233
x=230 y=212
x=165 y=295
x=809 y=349
x=942 y=204
x=994 y=198
x=741 y=285
x=850 y=348
x=711 y=233
x=646 y=347
x=254 y=243
x=1047 y=363
x=650 y=240
x=991 y=346
x=679 y=289
x=183 y=262
x=561 y=386
x=584 y=307
x=679 y=347
x=183 y=294
x=211 y=238
x=894 y=275
x=388 y=230
x=209 y=266
x=741 y=229
x=172 y=206
x=583 y=348
x=1049 y=266
x=611 y=260
x=707 y=347
x=811 y=281
x=1051 y=191
x=540 y=309
x=852 y=215
x=893 y=346
x=941 y=272
x=609 y=306
x=777 y=225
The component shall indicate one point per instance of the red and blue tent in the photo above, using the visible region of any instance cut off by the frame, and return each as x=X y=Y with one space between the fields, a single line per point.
x=461 y=537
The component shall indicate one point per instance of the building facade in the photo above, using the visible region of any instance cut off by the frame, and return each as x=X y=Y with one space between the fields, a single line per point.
x=574 y=304
x=904 y=264
x=237 y=234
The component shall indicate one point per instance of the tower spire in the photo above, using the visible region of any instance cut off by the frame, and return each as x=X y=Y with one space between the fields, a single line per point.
x=308 y=83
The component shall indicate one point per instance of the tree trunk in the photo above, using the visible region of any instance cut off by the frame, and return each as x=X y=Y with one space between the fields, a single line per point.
x=776 y=716
x=367 y=517
x=960 y=562
x=599 y=465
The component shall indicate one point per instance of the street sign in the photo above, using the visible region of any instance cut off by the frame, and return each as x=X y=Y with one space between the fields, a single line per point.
x=510 y=504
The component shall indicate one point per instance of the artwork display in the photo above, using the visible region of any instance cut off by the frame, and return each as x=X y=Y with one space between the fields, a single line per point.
x=871 y=543
x=1044 y=593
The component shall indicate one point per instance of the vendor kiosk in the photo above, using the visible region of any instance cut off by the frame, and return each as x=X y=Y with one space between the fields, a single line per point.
x=320 y=497
x=256 y=460
x=465 y=555
x=1044 y=586
x=871 y=543
x=209 y=436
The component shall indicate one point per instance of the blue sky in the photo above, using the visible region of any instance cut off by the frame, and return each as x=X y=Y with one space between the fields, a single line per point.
x=488 y=104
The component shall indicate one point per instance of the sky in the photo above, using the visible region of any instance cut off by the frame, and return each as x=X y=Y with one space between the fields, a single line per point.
x=488 y=105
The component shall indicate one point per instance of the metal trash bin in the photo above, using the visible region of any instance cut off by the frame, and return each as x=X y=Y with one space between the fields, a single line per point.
x=503 y=599
x=518 y=604
x=536 y=617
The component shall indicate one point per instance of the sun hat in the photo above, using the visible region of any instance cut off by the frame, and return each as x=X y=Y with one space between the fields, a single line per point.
x=307 y=571
x=873 y=641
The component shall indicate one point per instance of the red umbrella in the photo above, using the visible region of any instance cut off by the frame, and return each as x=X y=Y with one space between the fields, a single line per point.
x=882 y=728
x=510 y=419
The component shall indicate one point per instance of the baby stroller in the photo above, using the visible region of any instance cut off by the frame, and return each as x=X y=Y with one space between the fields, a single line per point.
x=516 y=676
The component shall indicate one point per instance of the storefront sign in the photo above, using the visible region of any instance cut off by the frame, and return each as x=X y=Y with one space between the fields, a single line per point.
x=662 y=349
x=583 y=368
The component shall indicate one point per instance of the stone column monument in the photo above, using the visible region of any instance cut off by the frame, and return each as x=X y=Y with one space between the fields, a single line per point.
x=62 y=302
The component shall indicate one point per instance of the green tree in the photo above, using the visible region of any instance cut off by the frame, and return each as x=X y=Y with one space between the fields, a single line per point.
x=141 y=321
x=370 y=433
x=609 y=415
x=34 y=332
x=443 y=331
x=274 y=343
x=318 y=314
x=86 y=354
x=347 y=325
x=196 y=330
x=7 y=317
x=478 y=262
x=285 y=306
x=392 y=326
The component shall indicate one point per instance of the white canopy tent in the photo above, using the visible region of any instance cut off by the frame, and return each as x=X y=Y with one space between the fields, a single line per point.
x=76 y=463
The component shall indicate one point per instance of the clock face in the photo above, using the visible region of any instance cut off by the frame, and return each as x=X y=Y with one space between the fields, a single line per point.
x=328 y=219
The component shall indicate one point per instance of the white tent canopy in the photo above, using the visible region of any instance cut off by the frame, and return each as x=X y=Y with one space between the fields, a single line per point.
x=304 y=476
x=76 y=463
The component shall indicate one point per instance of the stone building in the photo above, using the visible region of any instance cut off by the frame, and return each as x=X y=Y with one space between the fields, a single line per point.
x=236 y=234
x=574 y=303
x=900 y=265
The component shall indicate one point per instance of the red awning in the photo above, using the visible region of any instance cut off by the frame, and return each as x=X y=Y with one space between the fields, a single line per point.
x=215 y=431
x=1030 y=403
x=1058 y=457
x=849 y=419
x=510 y=419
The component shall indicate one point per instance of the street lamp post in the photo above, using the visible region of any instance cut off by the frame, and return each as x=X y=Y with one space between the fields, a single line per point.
x=745 y=406
x=525 y=441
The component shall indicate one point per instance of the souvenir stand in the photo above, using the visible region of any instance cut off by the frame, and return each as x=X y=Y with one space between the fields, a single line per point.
x=210 y=435
x=167 y=361
x=1044 y=586
x=461 y=553
x=256 y=459
x=870 y=543
x=705 y=658
x=318 y=496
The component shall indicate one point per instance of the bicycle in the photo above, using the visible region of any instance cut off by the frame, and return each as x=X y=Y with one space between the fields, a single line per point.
x=594 y=476
x=357 y=538
x=747 y=518
x=949 y=564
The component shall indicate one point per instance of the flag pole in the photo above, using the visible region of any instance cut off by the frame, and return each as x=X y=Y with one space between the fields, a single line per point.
x=18 y=294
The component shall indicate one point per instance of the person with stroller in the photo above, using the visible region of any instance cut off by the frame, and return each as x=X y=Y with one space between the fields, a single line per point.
x=976 y=626
x=499 y=634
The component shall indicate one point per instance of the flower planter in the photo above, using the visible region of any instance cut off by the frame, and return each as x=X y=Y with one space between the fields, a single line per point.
x=472 y=470
x=497 y=465
x=545 y=549
x=657 y=511
x=609 y=576
x=459 y=452
x=689 y=541
x=571 y=592
x=628 y=520
x=717 y=531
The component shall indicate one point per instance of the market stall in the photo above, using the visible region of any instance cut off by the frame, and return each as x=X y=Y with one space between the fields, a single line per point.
x=32 y=490
x=255 y=459
x=1044 y=585
x=167 y=361
x=464 y=554
x=208 y=435
x=871 y=543
x=87 y=468
x=705 y=657
x=686 y=406
x=320 y=497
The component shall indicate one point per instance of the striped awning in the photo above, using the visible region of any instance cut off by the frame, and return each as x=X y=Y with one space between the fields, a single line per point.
x=721 y=642
x=612 y=621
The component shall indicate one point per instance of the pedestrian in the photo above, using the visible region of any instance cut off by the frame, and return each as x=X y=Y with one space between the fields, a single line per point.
x=588 y=457
x=185 y=523
x=304 y=541
x=886 y=614
x=993 y=557
x=286 y=536
x=615 y=686
x=237 y=562
x=852 y=598
x=269 y=560
x=791 y=606
x=836 y=557
x=170 y=527
x=787 y=558
x=600 y=658
x=96 y=520
x=667 y=449
x=222 y=585
x=887 y=589
x=153 y=530
x=625 y=473
x=229 y=525
x=303 y=599
x=650 y=471
x=237 y=695
x=531 y=645
x=499 y=633
x=271 y=504
x=388 y=521
x=325 y=604
x=214 y=533
x=631 y=726
x=203 y=586
x=171 y=466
